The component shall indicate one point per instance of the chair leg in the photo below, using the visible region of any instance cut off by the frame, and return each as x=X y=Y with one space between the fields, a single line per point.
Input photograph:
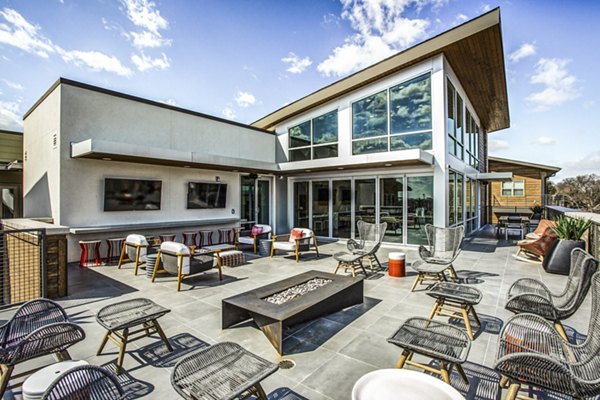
x=122 y=255
x=405 y=355
x=462 y=374
x=272 y=249
x=438 y=304
x=338 y=267
x=260 y=392
x=561 y=330
x=122 y=350
x=465 y=316
x=103 y=343
x=444 y=372
x=162 y=334
x=62 y=355
x=417 y=280
x=155 y=266
x=377 y=261
x=472 y=309
x=504 y=382
x=315 y=244
x=513 y=391
x=297 y=254
x=137 y=260
x=5 y=371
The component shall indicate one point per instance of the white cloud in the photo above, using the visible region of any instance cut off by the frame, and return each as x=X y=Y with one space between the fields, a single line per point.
x=381 y=30
x=146 y=63
x=96 y=61
x=297 y=65
x=331 y=19
x=148 y=39
x=10 y=116
x=526 y=50
x=228 y=113
x=20 y=33
x=560 y=84
x=544 y=140
x=144 y=14
x=460 y=18
x=485 y=8
x=13 y=85
x=496 y=144
x=588 y=164
x=244 y=99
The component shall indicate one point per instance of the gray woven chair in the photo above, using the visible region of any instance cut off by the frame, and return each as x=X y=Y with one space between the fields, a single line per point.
x=85 y=382
x=531 y=352
x=39 y=327
x=370 y=238
x=444 y=247
x=222 y=371
x=532 y=296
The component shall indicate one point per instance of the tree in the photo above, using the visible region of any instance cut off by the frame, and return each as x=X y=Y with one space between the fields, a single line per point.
x=583 y=192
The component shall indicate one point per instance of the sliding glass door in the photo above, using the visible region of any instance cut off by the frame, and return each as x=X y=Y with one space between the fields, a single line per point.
x=301 y=204
x=320 y=208
x=419 y=207
x=391 y=206
x=364 y=201
x=341 y=217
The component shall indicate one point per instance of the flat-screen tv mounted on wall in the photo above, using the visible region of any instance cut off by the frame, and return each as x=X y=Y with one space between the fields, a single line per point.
x=131 y=194
x=206 y=195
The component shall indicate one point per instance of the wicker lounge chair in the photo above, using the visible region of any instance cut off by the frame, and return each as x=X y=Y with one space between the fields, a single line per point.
x=38 y=328
x=444 y=247
x=532 y=296
x=370 y=238
x=135 y=248
x=537 y=247
x=222 y=371
x=178 y=260
x=251 y=237
x=85 y=382
x=297 y=241
x=531 y=352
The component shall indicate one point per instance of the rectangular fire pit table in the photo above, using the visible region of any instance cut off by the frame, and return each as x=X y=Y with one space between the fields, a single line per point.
x=271 y=318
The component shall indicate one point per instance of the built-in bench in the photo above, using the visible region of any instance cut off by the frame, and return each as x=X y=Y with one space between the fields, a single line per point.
x=151 y=225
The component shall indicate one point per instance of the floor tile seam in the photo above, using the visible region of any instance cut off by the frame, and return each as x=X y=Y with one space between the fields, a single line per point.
x=314 y=390
x=341 y=355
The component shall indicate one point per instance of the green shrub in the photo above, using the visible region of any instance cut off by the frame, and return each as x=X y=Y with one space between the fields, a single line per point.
x=568 y=228
x=537 y=209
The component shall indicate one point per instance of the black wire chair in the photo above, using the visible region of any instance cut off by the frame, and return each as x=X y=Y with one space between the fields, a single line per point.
x=85 y=383
x=39 y=327
x=531 y=352
x=370 y=238
x=532 y=296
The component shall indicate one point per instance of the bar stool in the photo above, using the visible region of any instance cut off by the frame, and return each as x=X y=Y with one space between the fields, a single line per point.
x=189 y=238
x=167 y=237
x=226 y=235
x=205 y=238
x=114 y=249
x=90 y=253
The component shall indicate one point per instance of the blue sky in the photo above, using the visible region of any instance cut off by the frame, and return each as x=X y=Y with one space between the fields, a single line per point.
x=244 y=59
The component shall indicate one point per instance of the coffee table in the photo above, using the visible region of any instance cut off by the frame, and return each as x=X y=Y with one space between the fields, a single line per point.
x=341 y=292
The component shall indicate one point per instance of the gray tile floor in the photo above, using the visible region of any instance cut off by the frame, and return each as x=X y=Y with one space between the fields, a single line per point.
x=330 y=353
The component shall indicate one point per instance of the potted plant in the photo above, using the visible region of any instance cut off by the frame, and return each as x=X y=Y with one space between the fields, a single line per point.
x=537 y=211
x=569 y=231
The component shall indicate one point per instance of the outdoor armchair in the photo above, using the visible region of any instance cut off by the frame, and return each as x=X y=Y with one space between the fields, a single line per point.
x=443 y=249
x=177 y=259
x=537 y=247
x=85 y=382
x=299 y=240
x=39 y=327
x=252 y=236
x=135 y=248
x=532 y=296
x=532 y=352
x=370 y=238
x=540 y=229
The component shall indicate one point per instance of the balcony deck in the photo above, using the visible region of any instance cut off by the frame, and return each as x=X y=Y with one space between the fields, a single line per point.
x=330 y=353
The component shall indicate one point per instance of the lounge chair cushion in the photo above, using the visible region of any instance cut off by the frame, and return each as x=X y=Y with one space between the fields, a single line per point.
x=256 y=230
x=135 y=239
x=289 y=246
x=246 y=239
x=170 y=260
x=296 y=234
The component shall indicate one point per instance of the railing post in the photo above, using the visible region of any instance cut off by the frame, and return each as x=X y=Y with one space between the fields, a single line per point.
x=43 y=262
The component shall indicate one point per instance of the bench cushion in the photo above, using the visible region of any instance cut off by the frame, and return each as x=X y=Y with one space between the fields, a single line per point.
x=232 y=258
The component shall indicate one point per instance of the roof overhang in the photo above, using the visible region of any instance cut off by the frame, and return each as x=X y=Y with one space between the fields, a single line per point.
x=494 y=176
x=473 y=49
x=136 y=153
x=375 y=160
x=544 y=167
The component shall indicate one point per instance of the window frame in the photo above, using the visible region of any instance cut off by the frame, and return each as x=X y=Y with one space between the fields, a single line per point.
x=311 y=146
x=513 y=188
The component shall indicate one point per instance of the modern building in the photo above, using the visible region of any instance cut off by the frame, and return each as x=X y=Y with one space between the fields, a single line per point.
x=526 y=189
x=11 y=174
x=403 y=141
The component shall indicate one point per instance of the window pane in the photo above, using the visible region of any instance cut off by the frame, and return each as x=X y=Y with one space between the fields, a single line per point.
x=369 y=116
x=320 y=208
x=300 y=135
x=519 y=184
x=458 y=150
x=450 y=99
x=459 y=119
x=410 y=104
x=518 y=192
x=370 y=146
x=301 y=204
x=325 y=128
x=327 y=151
x=341 y=196
x=459 y=198
x=390 y=210
x=364 y=195
x=451 y=145
x=419 y=207
x=451 y=197
x=300 y=154
x=411 y=141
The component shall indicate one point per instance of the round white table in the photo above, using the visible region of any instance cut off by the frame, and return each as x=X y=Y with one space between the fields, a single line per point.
x=402 y=384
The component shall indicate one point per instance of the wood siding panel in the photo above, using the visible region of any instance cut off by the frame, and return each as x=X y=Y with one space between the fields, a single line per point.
x=11 y=147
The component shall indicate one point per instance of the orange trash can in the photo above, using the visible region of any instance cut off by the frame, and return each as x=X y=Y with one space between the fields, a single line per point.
x=397 y=265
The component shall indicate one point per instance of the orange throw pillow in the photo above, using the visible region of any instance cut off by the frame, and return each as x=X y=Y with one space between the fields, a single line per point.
x=296 y=233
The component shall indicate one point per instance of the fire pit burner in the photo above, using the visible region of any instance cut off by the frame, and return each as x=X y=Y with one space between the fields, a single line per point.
x=297 y=291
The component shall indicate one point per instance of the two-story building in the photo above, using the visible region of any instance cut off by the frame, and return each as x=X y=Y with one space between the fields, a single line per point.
x=403 y=141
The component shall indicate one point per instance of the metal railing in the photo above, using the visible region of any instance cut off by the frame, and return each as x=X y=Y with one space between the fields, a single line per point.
x=22 y=265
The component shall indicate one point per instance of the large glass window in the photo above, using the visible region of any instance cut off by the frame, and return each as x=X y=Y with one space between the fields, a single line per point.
x=408 y=119
x=471 y=215
x=471 y=140
x=514 y=188
x=314 y=139
x=341 y=197
x=391 y=205
x=301 y=204
x=419 y=198
x=455 y=198
x=248 y=201
x=364 y=204
x=320 y=208
x=455 y=123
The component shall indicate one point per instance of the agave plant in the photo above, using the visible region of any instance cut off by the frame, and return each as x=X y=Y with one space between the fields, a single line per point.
x=567 y=228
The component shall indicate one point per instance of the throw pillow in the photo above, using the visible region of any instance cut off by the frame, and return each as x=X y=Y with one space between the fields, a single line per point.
x=296 y=234
x=256 y=230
